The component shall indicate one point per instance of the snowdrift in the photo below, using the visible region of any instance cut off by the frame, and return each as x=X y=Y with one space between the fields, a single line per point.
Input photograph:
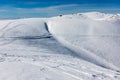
x=23 y=28
x=93 y=36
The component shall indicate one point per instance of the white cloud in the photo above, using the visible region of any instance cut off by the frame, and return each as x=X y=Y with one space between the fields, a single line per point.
x=47 y=11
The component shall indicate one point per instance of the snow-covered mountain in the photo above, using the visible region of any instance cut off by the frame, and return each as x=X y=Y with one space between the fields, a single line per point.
x=83 y=46
x=88 y=36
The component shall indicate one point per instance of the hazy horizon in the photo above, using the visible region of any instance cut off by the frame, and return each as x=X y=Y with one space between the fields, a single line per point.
x=47 y=8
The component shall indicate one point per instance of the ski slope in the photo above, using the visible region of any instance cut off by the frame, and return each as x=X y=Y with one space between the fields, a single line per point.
x=83 y=46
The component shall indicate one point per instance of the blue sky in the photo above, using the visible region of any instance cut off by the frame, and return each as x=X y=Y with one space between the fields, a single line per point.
x=48 y=8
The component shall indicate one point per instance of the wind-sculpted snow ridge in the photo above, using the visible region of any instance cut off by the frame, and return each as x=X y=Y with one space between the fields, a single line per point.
x=94 y=36
x=24 y=28
x=83 y=46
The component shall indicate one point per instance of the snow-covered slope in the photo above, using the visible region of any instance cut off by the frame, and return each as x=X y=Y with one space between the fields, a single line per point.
x=92 y=39
x=23 y=28
x=83 y=46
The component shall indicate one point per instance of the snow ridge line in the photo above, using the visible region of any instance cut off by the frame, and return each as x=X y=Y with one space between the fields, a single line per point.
x=85 y=54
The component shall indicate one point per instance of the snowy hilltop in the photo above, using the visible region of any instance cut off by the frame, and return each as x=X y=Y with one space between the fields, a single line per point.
x=83 y=46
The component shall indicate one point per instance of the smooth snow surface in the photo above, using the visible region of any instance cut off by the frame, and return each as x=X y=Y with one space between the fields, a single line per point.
x=83 y=46
x=23 y=28
x=92 y=39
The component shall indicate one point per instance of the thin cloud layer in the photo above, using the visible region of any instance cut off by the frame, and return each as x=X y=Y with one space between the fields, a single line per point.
x=15 y=12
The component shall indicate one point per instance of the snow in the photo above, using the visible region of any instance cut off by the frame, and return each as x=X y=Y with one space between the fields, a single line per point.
x=23 y=28
x=83 y=46
x=93 y=41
